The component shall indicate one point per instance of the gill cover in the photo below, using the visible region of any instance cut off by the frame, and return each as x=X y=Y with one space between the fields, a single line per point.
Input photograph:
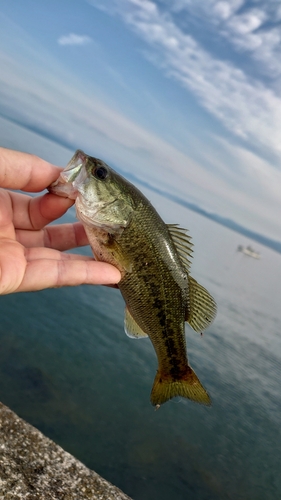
x=102 y=200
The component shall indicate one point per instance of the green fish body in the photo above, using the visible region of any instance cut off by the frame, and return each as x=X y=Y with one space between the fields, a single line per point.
x=125 y=230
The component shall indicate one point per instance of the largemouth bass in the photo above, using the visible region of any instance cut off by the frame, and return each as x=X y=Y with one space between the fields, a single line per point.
x=125 y=230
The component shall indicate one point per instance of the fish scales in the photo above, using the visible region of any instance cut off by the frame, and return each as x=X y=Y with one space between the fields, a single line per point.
x=148 y=286
x=156 y=301
x=159 y=293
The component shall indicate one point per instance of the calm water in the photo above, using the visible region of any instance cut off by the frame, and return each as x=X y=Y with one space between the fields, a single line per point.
x=68 y=368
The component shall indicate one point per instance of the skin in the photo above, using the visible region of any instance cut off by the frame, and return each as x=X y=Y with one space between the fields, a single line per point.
x=31 y=252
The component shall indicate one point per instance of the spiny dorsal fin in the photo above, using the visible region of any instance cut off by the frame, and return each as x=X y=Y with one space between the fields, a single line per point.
x=202 y=308
x=182 y=242
x=132 y=329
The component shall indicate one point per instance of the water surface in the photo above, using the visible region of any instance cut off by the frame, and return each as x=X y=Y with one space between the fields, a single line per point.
x=67 y=367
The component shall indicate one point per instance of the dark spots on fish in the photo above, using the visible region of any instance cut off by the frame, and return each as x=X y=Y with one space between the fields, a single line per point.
x=175 y=370
x=177 y=367
x=162 y=319
x=170 y=344
x=158 y=303
x=172 y=350
x=146 y=279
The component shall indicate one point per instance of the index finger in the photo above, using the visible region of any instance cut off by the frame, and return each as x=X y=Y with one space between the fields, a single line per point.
x=25 y=171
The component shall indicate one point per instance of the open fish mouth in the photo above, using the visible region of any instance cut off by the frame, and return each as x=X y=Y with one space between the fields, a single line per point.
x=74 y=174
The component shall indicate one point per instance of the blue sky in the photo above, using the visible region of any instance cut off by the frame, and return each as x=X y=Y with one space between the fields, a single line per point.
x=184 y=94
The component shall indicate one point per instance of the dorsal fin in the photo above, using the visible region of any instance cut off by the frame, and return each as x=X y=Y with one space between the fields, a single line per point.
x=132 y=329
x=201 y=308
x=182 y=242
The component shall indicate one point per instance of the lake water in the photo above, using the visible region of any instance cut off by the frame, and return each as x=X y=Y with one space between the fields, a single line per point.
x=67 y=367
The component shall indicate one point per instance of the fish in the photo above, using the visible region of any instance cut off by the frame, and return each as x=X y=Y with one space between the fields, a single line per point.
x=125 y=230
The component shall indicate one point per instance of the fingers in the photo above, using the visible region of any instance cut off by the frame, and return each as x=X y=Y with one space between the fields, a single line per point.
x=12 y=265
x=49 y=273
x=34 y=213
x=51 y=254
x=24 y=171
x=60 y=237
x=38 y=268
x=44 y=209
x=6 y=216
x=65 y=236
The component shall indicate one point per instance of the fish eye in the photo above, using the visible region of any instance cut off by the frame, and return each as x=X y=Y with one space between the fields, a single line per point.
x=100 y=173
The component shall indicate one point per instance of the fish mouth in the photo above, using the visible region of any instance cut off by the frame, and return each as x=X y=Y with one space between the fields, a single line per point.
x=69 y=180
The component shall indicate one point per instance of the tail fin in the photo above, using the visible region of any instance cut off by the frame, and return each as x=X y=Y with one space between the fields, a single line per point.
x=165 y=388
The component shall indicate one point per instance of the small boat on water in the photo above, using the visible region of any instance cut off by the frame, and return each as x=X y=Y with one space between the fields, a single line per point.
x=248 y=251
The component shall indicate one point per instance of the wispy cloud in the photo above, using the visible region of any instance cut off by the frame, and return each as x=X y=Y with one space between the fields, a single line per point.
x=247 y=106
x=252 y=29
x=74 y=39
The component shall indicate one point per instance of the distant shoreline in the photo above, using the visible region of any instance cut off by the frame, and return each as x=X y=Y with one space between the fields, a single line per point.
x=230 y=224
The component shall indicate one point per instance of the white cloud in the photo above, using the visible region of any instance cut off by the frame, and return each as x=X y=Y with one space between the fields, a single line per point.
x=247 y=22
x=73 y=39
x=226 y=9
x=248 y=32
x=243 y=104
x=253 y=29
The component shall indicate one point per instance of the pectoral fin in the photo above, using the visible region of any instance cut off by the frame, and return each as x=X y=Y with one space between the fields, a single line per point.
x=202 y=308
x=118 y=255
x=132 y=329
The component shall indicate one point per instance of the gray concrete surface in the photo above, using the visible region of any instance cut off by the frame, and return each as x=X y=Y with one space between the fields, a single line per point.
x=33 y=467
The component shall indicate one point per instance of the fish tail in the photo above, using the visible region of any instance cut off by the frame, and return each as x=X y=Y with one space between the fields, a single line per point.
x=166 y=387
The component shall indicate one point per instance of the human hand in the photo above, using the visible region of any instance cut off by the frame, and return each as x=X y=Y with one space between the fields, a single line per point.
x=31 y=251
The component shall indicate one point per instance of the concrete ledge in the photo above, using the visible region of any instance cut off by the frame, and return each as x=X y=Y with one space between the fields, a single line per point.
x=33 y=467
